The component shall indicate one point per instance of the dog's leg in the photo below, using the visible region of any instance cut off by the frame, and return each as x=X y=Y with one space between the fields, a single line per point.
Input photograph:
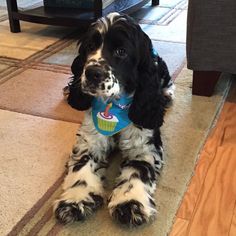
x=131 y=201
x=83 y=185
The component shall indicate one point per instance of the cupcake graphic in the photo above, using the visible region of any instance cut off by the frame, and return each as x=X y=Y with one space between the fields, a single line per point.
x=107 y=121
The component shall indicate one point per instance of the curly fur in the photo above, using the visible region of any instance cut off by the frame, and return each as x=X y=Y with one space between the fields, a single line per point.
x=116 y=56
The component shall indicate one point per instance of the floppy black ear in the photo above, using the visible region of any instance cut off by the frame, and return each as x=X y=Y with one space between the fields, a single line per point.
x=148 y=106
x=77 y=99
x=90 y=41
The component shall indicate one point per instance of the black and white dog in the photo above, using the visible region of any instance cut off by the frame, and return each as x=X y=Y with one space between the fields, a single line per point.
x=116 y=68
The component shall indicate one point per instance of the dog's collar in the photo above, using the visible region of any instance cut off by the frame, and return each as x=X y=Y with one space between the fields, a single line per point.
x=154 y=53
x=111 y=116
x=155 y=56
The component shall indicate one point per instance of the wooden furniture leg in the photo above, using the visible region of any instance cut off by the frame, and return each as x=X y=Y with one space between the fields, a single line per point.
x=97 y=9
x=14 y=24
x=204 y=82
x=155 y=2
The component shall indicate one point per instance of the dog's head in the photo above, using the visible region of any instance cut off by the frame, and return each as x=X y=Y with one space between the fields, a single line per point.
x=115 y=57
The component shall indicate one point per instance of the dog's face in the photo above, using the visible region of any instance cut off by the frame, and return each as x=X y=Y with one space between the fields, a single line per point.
x=111 y=55
x=116 y=57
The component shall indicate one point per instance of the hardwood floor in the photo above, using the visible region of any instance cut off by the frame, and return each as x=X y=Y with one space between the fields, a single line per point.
x=208 y=207
x=232 y=231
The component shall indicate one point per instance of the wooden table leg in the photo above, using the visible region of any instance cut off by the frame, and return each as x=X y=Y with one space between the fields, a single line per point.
x=98 y=9
x=155 y=2
x=14 y=24
x=204 y=82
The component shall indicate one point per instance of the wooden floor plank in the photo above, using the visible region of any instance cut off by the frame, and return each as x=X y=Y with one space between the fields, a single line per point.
x=207 y=205
x=207 y=155
x=223 y=134
x=232 y=231
x=191 y=195
x=214 y=210
x=230 y=125
x=180 y=227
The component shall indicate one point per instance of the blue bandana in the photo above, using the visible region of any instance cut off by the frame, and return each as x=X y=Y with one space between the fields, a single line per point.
x=154 y=53
x=111 y=117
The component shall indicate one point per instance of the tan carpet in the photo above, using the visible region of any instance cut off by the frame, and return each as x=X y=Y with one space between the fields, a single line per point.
x=33 y=154
x=32 y=39
x=40 y=94
x=186 y=126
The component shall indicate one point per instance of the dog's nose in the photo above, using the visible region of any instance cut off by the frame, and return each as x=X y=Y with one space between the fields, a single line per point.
x=94 y=73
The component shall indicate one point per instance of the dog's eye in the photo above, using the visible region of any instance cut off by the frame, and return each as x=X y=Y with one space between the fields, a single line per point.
x=120 y=52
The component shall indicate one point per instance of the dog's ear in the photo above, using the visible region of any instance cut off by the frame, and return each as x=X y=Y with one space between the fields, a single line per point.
x=89 y=42
x=77 y=99
x=148 y=106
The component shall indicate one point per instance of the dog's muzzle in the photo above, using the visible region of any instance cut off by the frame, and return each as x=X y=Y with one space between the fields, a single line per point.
x=94 y=78
x=95 y=74
x=99 y=80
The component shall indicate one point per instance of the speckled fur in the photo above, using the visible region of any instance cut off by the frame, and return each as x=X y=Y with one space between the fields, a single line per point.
x=144 y=76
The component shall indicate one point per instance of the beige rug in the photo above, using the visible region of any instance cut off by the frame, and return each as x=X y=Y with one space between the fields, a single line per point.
x=186 y=126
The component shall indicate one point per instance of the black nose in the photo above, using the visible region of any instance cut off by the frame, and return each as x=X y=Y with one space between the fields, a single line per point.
x=94 y=73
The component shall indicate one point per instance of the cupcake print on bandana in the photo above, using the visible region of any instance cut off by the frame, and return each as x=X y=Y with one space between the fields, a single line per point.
x=111 y=117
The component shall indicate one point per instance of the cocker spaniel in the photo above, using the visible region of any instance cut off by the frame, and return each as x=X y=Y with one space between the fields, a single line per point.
x=124 y=87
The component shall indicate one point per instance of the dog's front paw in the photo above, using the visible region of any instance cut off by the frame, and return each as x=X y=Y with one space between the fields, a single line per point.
x=131 y=205
x=129 y=213
x=72 y=208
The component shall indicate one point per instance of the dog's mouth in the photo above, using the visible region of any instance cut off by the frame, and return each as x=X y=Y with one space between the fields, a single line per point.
x=104 y=89
x=89 y=89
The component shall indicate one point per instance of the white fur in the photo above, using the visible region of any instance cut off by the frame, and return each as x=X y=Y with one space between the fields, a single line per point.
x=79 y=193
x=137 y=192
x=96 y=55
x=170 y=92
x=96 y=143
x=133 y=143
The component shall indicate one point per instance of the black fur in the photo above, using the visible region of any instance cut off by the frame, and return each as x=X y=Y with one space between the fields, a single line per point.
x=77 y=98
x=67 y=212
x=140 y=72
x=81 y=163
x=145 y=169
x=79 y=183
x=129 y=213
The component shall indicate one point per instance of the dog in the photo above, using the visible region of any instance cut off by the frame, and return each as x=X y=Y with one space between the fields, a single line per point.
x=124 y=87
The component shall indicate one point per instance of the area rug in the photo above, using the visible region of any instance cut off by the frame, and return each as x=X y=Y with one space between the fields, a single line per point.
x=186 y=126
